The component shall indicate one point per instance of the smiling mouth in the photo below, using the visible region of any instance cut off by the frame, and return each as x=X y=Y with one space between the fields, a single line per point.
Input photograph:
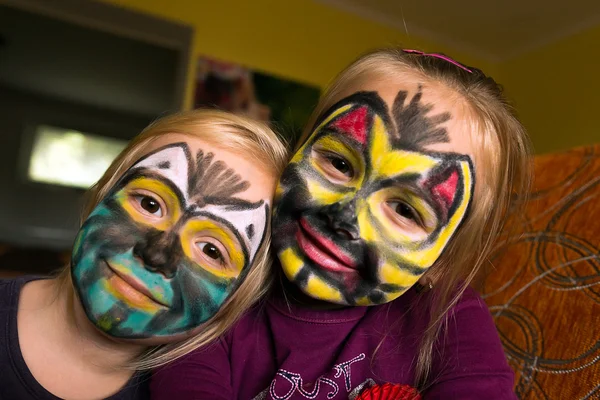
x=131 y=291
x=321 y=250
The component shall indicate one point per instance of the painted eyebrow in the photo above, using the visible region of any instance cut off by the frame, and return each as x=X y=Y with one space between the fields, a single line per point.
x=212 y=178
x=232 y=203
x=358 y=149
x=416 y=123
x=143 y=172
x=213 y=217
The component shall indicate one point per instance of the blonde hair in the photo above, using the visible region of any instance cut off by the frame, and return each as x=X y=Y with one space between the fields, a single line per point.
x=502 y=161
x=250 y=139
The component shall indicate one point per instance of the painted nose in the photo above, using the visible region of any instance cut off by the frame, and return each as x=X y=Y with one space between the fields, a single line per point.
x=159 y=253
x=344 y=233
x=344 y=230
x=343 y=222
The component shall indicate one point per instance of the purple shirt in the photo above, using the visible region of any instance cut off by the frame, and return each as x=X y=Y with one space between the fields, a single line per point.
x=283 y=351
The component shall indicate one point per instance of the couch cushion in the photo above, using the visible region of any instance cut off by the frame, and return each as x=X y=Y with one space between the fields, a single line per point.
x=544 y=290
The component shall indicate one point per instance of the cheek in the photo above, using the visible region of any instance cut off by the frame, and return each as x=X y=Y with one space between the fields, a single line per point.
x=107 y=228
x=201 y=290
x=321 y=194
x=292 y=175
x=378 y=224
x=291 y=193
x=391 y=272
x=392 y=248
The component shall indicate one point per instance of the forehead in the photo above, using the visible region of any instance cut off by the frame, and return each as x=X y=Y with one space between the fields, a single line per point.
x=435 y=99
x=260 y=179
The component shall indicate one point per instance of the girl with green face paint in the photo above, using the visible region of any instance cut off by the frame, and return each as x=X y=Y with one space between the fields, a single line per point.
x=172 y=250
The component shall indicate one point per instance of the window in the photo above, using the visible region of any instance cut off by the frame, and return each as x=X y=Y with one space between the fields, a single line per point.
x=70 y=158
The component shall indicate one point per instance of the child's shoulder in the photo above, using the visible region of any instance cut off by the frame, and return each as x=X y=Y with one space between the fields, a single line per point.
x=413 y=302
x=14 y=285
x=249 y=321
x=10 y=289
x=11 y=286
x=469 y=299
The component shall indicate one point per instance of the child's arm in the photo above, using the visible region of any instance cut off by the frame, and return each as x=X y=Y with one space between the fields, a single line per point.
x=469 y=361
x=203 y=374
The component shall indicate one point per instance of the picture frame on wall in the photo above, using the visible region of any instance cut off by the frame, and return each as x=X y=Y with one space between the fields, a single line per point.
x=285 y=103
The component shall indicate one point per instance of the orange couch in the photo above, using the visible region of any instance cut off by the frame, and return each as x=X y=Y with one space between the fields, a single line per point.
x=544 y=289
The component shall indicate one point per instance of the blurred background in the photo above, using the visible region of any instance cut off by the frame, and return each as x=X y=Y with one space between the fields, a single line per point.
x=79 y=78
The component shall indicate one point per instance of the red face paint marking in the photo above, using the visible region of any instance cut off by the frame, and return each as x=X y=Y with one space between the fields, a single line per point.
x=354 y=124
x=444 y=192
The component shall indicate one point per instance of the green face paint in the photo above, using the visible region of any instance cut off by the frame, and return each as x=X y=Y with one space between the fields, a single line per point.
x=167 y=246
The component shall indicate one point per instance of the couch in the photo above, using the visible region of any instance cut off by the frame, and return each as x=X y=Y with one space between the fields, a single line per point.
x=544 y=286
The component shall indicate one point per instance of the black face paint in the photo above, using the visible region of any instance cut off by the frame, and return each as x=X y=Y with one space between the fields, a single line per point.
x=167 y=246
x=363 y=209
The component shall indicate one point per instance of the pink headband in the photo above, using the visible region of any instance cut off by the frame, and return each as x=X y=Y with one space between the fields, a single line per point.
x=440 y=56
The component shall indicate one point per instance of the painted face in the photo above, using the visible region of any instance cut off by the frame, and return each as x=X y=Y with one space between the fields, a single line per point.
x=167 y=246
x=363 y=209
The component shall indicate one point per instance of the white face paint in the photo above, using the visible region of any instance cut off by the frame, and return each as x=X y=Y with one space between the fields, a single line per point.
x=173 y=232
x=247 y=219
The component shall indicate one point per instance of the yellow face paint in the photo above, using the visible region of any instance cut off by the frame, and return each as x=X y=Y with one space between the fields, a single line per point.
x=387 y=162
x=428 y=254
x=330 y=145
x=322 y=290
x=195 y=231
x=150 y=187
x=291 y=262
x=299 y=154
x=142 y=264
x=362 y=229
x=323 y=194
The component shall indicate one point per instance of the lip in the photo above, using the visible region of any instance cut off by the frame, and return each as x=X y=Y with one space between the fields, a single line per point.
x=132 y=288
x=322 y=250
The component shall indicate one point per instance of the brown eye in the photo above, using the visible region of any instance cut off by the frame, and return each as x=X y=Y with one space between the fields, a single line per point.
x=405 y=211
x=150 y=205
x=341 y=165
x=211 y=251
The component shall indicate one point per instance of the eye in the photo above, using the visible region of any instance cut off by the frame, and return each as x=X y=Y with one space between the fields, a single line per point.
x=212 y=251
x=405 y=211
x=341 y=165
x=150 y=205
x=334 y=166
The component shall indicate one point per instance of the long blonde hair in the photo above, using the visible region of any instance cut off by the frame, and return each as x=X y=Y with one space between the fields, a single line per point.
x=250 y=139
x=502 y=160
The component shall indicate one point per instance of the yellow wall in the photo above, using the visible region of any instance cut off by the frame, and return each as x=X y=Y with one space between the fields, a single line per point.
x=557 y=91
x=298 y=39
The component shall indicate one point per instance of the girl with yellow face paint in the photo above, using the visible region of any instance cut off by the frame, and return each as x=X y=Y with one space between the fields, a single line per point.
x=172 y=250
x=381 y=219
x=370 y=210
